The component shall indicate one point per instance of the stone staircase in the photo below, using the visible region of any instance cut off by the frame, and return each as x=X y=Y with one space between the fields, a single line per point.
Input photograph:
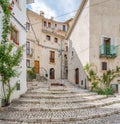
x=57 y=105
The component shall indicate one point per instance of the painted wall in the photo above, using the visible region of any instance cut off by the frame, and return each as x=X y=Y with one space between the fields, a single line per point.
x=19 y=21
x=43 y=47
x=104 y=22
x=98 y=19
x=79 y=47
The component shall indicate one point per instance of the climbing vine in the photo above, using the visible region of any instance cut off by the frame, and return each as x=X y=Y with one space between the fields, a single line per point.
x=9 y=58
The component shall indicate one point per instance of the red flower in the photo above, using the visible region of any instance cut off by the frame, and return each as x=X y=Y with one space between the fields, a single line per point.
x=10 y=8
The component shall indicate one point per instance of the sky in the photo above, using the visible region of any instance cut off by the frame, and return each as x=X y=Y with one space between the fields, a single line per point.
x=61 y=10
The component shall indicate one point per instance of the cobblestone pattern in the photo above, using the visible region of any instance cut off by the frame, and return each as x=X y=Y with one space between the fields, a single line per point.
x=40 y=105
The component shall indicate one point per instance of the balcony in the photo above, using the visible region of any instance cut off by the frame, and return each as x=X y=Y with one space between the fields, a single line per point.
x=108 y=51
x=30 y=52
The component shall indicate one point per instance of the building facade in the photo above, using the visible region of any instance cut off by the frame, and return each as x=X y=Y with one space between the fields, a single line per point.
x=46 y=46
x=18 y=38
x=94 y=38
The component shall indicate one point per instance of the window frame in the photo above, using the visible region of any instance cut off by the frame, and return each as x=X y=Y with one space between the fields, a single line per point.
x=52 y=56
x=14 y=36
x=48 y=37
x=56 y=40
x=27 y=63
x=104 y=66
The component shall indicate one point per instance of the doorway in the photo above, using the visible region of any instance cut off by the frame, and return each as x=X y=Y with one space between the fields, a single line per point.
x=52 y=73
x=77 y=75
x=36 y=66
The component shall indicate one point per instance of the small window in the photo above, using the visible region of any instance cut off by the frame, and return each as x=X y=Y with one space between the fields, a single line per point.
x=64 y=28
x=48 y=37
x=28 y=63
x=28 y=48
x=104 y=65
x=66 y=48
x=52 y=56
x=49 y=25
x=56 y=40
x=28 y=26
x=45 y=24
x=55 y=25
x=81 y=82
x=14 y=36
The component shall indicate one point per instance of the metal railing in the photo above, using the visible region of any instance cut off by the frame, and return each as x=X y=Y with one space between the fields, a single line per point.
x=108 y=50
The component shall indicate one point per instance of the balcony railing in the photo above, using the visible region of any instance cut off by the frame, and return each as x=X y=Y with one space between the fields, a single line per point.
x=108 y=50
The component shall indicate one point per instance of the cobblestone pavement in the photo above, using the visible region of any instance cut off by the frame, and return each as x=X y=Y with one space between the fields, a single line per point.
x=46 y=104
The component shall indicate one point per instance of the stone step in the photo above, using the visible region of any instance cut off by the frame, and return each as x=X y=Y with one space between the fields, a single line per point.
x=62 y=100
x=55 y=92
x=57 y=96
x=56 y=116
x=65 y=106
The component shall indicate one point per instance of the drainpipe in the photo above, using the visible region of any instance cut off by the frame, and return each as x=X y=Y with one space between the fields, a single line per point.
x=61 y=61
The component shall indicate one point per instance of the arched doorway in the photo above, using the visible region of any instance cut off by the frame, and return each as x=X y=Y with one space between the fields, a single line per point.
x=52 y=73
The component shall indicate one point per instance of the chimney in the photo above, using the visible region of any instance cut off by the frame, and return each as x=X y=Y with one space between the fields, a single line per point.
x=52 y=17
x=42 y=13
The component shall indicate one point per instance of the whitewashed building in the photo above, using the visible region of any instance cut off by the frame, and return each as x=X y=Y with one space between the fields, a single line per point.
x=18 y=37
x=94 y=38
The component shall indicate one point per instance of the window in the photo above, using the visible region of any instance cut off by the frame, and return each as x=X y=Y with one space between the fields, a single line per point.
x=28 y=63
x=14 y=36
x=47 y=37
x=66 y=48
x=55 y=25
x=104 y=65
x=56 y=40
x=81 y=82
x=45 y=24
x=28 y=48
x=107 y=42
x=28 y=26
x=64 y=28
x=52 y=56
x=49 y=25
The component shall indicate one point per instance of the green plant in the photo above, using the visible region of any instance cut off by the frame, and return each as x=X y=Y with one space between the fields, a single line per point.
x=31 y=73
x=106 y=91
x=9 y=58
x=92 y=77
x=101 y=84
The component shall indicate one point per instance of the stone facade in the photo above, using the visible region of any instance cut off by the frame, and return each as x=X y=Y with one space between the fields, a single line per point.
x=96 y=23
x=43 y=37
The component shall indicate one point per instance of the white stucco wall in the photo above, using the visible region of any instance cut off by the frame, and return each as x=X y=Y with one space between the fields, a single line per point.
x=104 y=22
x=79 y=44
x=19 y=12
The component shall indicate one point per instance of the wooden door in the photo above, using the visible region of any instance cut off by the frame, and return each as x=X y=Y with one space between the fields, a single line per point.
x=36 y=66
x=77 y=75
x=52 y=73
x=107 y=45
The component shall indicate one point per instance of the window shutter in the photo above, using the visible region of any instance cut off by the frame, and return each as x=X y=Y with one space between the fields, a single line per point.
x=112 y=47
x=102 y=49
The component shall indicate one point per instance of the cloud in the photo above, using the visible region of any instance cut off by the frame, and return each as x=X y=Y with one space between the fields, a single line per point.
x=62 y=8
x=41 y=6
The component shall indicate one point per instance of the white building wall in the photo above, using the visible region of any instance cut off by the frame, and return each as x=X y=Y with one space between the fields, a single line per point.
x=19 y=21
x=104 y=22
x=79 y=44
